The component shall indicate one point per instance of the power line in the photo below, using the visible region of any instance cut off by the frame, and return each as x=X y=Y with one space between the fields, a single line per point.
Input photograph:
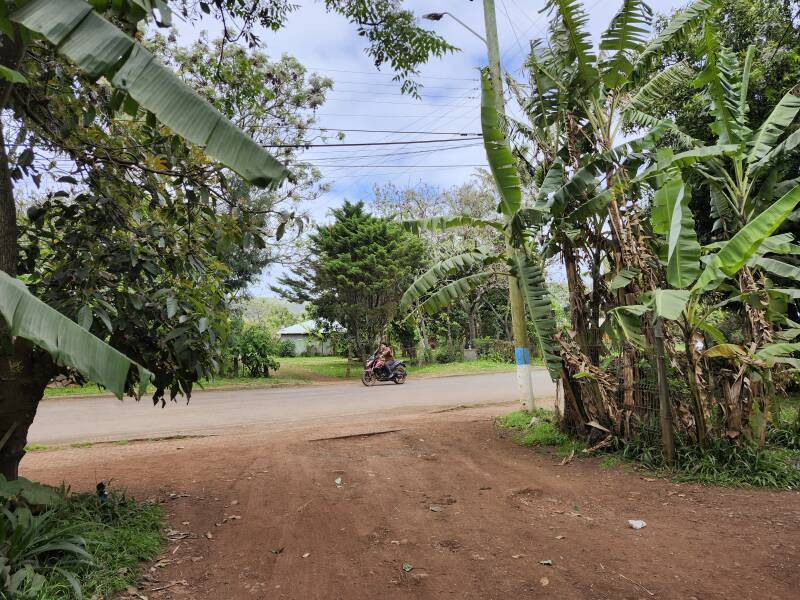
x=337 y=82
x=461 y=133
x=353 y=101
x=348 y=156
x=310 y=68
x=363 y=143
x=423 y=116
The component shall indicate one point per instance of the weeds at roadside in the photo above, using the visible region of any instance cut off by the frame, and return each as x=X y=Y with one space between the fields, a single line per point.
x=723 y=463
x=537 y=428
x=76 y=545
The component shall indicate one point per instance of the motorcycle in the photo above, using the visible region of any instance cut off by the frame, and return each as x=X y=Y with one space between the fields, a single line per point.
x=374 y=373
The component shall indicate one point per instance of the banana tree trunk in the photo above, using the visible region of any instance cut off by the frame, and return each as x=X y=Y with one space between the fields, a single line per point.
x=758 y=331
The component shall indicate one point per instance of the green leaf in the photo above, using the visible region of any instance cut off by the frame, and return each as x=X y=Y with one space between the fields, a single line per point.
x=661 y=86
x=772 y=129
x=683 y=253
x=777 y=267
x=572 y=20
x=668 y=304
x=99 y=48
x=664 y=204
x=501 y=161
x=429 y=280
x=448 y=222
x=12 y=75
x=534 y=289
x=676 y=30
x=625 y=37
x=453 y=291
x=623 y=278
x=738 y=250
x=68 y=343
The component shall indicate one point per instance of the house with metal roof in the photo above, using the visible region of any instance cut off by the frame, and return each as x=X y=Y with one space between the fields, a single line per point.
x=310 y=338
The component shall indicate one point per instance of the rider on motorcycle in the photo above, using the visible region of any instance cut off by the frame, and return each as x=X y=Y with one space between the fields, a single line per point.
x=385 y=357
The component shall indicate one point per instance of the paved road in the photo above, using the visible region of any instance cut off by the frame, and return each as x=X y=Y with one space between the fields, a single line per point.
x=69 y=420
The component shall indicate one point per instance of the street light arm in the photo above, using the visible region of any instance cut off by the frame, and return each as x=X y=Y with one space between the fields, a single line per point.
x=438 y=17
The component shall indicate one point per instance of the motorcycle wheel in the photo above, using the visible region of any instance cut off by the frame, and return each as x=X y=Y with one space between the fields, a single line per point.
x=400 y=377
x=368 y=379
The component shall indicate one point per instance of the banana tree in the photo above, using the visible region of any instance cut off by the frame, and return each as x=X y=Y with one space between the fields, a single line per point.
x=692 y=276
x=589 y=202
x=456 y=276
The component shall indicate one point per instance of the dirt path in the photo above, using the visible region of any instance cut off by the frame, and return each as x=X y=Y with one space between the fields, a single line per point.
x=471 y=513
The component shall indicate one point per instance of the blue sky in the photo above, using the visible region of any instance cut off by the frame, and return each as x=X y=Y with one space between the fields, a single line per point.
x=365 y=98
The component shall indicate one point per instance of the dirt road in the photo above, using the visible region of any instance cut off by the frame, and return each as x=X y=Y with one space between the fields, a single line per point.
x=68 y=420
x=443 y=507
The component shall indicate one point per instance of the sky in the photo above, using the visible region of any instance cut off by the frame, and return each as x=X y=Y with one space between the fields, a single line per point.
x=365 y=98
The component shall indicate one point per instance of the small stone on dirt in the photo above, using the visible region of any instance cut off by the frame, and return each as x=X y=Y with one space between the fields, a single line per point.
x=559 y=537
x=436 y=508
x=517 y=555
x=338 y=482
x=544 y=582
x=407 y=567
x=547 y=563
x=307 y=554
x=210 y=535
x=234 y=502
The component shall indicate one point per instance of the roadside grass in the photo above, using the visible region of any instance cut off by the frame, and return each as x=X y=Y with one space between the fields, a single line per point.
x=91 y=389
x=538 y=428
x=723 y=463
x=336 y=367
x=301 y=370
x=119 y=534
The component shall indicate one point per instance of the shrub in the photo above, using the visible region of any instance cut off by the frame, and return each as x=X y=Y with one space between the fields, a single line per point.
x=286 y=349
x=784 y=430
x=258 y=347
x=448 y=354
x=493 y=350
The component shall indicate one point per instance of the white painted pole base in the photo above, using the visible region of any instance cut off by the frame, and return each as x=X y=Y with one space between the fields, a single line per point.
x=524 y=381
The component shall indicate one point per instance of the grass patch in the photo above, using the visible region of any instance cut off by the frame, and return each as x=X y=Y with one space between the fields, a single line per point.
x=538 y=428
x=81 y=445
x=722 y=463
x=610 y=461
x=36 y=448
x=117 y=534
x=336 y=367
x=91 y=389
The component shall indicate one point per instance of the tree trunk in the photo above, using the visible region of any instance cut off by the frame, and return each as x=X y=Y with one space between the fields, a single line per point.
x=349 y=360
x=24 y=374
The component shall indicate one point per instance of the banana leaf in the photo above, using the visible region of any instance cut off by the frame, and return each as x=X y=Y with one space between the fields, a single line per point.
x=69 y=344
x=498 y=154
x=453 y=291
x=534 y=289
x=738 y=250
x=428 y=280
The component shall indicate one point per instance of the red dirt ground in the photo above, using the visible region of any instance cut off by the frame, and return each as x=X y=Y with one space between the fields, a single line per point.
x=498 y=510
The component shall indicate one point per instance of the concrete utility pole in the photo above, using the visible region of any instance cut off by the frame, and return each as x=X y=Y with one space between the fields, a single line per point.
x=518 y=322
x=522 y=350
